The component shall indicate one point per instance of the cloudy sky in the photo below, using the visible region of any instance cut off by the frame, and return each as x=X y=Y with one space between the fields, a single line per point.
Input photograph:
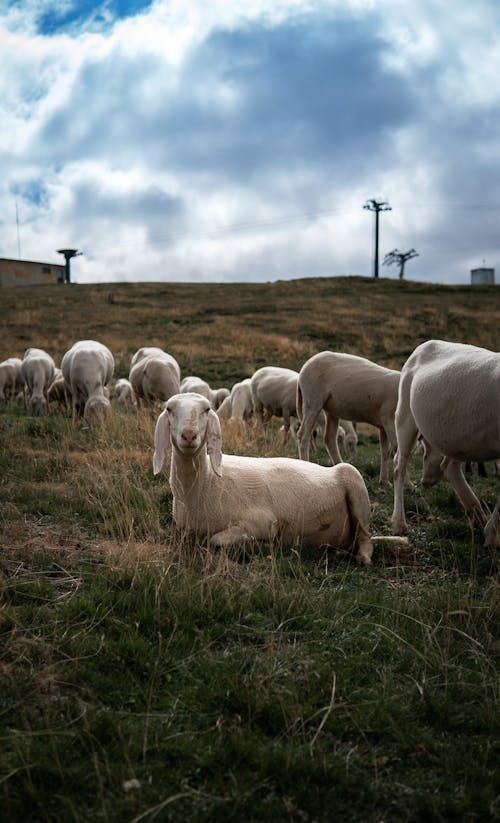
x=229 y=140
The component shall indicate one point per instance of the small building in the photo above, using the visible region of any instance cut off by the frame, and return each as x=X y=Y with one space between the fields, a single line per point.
x=482 y=277
x=30 y=273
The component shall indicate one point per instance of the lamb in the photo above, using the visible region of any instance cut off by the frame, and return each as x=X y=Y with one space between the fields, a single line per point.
x=11 y=379
x=450 y=393
x=88 y=367
x=37 y=369
x=154 y=375
x=350 y=387
x=124 y=392
x=191 y=383
x=234 y=499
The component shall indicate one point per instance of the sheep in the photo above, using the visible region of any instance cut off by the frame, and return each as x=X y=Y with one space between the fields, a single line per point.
x=88 y=367
x=11 y=379
x=350 y=387
x=239 y=405
x=191 y=383
x=124 y=392
x=234 y=499
x=350 y=440
x=450 y=393
x=58 y=393
x=37 y=369
x=274 y=392
x=154 y=375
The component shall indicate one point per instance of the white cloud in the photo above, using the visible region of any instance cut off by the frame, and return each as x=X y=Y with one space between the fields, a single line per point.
x=216 y=140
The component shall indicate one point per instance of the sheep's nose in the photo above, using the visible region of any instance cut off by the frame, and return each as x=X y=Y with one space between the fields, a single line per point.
x=188 y=436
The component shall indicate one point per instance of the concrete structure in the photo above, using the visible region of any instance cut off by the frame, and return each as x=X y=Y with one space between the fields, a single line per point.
x=482 y=277
x=30 y=273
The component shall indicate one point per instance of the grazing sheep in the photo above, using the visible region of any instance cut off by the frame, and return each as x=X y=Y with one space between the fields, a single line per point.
x=239 y=405
x=124 y=392
x=88 y=367
x=350 y=387
x=350 y=441
x=200 y=386
x=11 y=379
x=450 y=393
x=274 y=393
x=147 y=351
x=233 y=499
x=58 y=393
x=154 y=375
x=37 y=369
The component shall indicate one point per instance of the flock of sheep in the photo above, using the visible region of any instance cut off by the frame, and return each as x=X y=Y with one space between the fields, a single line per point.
x=447 y=395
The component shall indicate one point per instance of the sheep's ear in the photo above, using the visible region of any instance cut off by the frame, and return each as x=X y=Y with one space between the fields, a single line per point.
x=162 y=441
x=214 y=442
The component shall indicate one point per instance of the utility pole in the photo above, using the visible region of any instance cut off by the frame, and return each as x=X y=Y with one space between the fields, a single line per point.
x=377 y=206
x=68 y=254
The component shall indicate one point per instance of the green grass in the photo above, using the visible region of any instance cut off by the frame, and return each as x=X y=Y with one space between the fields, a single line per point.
x=145 y=678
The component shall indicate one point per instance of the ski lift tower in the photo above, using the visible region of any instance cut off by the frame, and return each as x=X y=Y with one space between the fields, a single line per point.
x=68 y=254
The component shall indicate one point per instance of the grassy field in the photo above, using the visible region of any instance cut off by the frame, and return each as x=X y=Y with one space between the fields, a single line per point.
x=145 y=678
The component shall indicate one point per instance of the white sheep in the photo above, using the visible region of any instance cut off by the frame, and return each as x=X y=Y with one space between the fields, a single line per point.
x=239 y=405
x=274 y=393
x=88 y=367
x=349 y=387
x=450 y=393
x=124 y=392
x=192 y=383
x=37 y=369
x=233 y=499
x=154 y=376
x=58 y=393
x=11 y=379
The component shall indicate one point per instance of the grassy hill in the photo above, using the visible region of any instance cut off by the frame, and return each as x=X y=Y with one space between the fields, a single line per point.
x=145 y=678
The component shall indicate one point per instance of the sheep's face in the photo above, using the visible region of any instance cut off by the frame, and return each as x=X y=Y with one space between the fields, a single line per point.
x=37 y=406
x=188 y=417
x=96 y=410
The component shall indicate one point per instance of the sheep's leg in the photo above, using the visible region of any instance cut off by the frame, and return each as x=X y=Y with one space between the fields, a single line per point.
x=492 y=529
x=432 y=468
x=407 y=434
x=304 y=433
x=331 y=441
x=385 y=449
x=453 y=471
x=390 y=430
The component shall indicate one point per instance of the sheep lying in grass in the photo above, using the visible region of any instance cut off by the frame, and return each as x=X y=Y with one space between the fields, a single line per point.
x=350 y=387
x=11 y=379
x=233 y=499
x=87 y=368
x=37 y=369
x=154 y=376
x=450 y=393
